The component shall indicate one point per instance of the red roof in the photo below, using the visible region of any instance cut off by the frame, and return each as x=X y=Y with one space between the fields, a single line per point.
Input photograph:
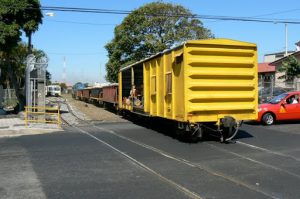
x=265 y=68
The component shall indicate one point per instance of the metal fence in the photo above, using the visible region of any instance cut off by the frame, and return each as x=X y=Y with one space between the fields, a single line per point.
x=8 y=99
x=268 y=88
x=46 y=115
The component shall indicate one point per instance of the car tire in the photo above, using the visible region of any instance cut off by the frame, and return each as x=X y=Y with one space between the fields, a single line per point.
x=268 y=119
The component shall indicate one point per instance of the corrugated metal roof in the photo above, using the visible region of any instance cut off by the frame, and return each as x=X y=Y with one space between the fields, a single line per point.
x=218 y=41
x=265 y=68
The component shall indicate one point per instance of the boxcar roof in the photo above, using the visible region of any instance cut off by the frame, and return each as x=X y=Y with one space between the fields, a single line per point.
x=110 y=84
x=151 y=57
x=221 y=41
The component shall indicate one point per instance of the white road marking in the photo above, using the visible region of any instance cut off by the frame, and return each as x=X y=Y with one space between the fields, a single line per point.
x=268 y=151
x=255 y=161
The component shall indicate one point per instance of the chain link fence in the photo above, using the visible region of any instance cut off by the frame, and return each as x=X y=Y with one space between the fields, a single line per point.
x=268 y=88
x=8 y=99
x=1 y=96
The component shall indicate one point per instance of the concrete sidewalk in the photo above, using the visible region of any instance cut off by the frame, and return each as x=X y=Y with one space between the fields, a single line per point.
x=10 y=127
x=11 y=123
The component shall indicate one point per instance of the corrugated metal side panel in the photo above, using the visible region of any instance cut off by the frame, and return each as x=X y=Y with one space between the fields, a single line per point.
x=95 y=92
x=153 y=87
x=120 y=100
x=78 y=93
x=168 y=108
x=178 y=98
x=220 y=80
x=110 y=94
x=160 y=86
x=86 y=93
x=146 y=74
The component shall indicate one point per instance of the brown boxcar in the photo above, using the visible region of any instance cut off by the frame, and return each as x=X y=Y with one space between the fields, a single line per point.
x=110 y=94
x=78 y=94
x=86 y=94
x=96 y=94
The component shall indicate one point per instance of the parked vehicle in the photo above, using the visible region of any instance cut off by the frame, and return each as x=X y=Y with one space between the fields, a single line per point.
x=202 y=83
x=266 y=94
x=282 y=107
x=53 y=90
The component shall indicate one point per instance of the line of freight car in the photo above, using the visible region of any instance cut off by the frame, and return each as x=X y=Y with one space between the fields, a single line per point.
x=105 y=95
x=201 y=84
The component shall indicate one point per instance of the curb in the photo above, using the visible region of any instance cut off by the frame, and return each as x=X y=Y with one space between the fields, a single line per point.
x=30 y=131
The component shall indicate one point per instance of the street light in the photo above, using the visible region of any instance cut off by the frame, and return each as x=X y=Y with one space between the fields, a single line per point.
x=49 y=14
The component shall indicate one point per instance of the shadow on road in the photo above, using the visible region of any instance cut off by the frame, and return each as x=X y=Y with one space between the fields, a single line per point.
x=169 y=128
x=242 y=135
x=253 y=123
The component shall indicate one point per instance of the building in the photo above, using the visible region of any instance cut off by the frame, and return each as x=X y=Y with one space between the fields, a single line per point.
x=268 y=58
x=278 y=63
x=266 y=75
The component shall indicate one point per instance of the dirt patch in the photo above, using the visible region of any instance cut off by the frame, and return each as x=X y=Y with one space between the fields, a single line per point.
x=93 y=112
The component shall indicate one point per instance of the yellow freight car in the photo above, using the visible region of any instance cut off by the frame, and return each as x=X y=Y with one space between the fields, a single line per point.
x=202 y=83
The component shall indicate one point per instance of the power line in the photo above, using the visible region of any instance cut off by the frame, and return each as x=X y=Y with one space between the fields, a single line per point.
x=212 y=17
x=71 y=53
x=268 y=14
x=279 y=12
x=82 y=23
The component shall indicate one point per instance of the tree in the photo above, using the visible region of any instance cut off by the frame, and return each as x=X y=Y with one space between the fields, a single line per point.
x=63 y=86
x=13 y=73
x=148 y=30
x=291 y=69
x=48 y=78
x=17 y=16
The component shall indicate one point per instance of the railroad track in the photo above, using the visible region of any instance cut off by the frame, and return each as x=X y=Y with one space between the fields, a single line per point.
x=181 y=160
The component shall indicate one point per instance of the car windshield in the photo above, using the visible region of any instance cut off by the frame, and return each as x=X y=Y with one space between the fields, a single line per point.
x=278 y=98
x=57 y=89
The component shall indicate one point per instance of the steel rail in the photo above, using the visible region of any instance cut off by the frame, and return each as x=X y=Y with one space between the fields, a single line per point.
x=191 y=164
x=138 y=163
x=187 y=162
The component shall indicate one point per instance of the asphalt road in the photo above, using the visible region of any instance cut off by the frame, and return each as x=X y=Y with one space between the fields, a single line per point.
x=125 y=160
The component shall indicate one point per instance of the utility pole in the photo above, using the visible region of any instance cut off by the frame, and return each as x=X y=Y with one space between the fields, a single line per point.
x=100 y=74
x=64 y=75
x=286 y=39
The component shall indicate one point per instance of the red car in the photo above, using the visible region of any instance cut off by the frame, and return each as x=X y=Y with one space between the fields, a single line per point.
x=282 y=107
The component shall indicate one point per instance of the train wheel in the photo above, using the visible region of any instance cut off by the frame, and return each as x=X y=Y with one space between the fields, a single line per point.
x=229 y=133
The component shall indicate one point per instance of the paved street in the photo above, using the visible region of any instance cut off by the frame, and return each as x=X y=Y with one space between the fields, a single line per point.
x=125 y=160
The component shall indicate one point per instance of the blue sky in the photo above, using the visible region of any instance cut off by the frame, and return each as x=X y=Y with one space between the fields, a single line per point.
x=81 y=37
